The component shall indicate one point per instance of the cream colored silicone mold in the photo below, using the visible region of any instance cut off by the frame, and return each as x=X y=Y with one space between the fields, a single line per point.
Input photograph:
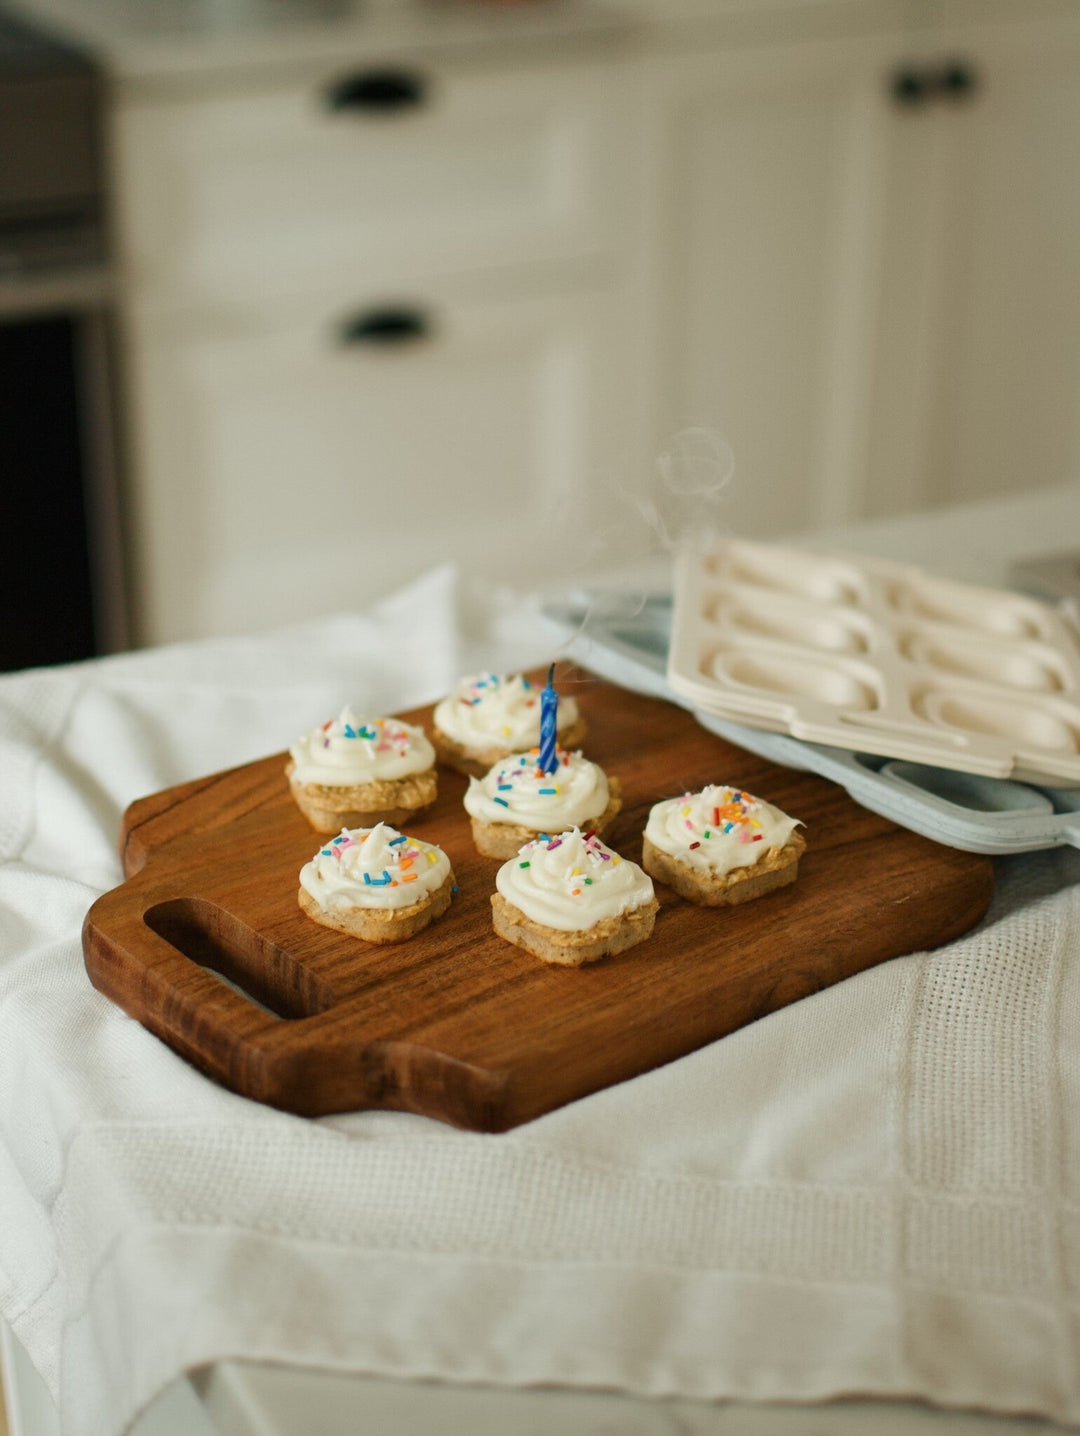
x=878 y=657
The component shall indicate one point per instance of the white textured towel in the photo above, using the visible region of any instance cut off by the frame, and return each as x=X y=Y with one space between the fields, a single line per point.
x=875 y=1190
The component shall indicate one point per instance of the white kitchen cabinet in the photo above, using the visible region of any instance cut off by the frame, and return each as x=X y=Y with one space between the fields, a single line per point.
x=284 y=471
x=976 y=367
x=478 y=237
x=260 y=192
x=763 y=291
x=724 y=222
x=878 y=303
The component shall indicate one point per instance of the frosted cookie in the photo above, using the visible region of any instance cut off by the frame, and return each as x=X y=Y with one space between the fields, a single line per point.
x=721 y=846
x=354 y=772
x=516 y=799
x=376 y=883
x=488 y=717
x=569 y=900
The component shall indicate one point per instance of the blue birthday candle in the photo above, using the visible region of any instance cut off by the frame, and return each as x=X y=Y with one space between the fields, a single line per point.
x=549 y=709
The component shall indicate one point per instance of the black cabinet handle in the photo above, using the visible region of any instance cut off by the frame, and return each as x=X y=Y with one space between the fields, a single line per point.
x=914 y=85
x=386 y=327
x=956 y=80
x=377 y=92
x=910 y=87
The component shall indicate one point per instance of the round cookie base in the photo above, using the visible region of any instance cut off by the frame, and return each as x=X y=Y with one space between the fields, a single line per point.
x=381 y=924
x=474 y=762
x=575 y=947
x=329 y=808
x=776 y=868
x=505 y=840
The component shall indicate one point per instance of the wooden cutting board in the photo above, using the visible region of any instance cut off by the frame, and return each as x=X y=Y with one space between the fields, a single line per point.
x=456 y=1023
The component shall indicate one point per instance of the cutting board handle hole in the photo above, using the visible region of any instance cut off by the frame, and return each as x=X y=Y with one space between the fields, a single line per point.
x=245 y=959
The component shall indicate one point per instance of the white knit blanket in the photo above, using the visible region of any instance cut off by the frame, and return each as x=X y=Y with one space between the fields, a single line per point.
x=875 y=1190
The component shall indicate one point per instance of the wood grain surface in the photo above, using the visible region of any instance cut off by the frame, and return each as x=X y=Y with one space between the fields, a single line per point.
x=456 y=1023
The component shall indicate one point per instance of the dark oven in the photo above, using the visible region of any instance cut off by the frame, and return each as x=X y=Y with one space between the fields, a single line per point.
x=62 y=594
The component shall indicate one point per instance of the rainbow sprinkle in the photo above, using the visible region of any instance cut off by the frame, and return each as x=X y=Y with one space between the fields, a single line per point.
x=732 y=816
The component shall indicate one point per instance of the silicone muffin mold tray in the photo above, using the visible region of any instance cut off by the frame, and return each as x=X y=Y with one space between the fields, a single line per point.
x=625 y=638
x=870 y=655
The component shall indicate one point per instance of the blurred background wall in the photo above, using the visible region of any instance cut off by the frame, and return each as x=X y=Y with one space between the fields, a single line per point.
x=384 y=284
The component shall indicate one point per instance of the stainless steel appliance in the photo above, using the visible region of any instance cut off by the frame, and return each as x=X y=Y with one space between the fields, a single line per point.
x=62 y=590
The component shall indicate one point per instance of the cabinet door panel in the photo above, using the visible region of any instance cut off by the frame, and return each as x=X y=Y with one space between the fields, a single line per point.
x=767 y=256
x=878 y=303
x=265 y=193
x=281 y=474
x=979 y=392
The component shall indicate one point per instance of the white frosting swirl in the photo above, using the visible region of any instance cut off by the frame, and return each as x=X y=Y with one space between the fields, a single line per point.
x=374 y=867
x=486 y=711
x=718 y=829
x=351 y=750
x=572 y=882
x=516 y=791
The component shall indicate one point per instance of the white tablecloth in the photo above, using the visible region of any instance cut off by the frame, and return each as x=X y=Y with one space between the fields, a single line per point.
x=875 y=1190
